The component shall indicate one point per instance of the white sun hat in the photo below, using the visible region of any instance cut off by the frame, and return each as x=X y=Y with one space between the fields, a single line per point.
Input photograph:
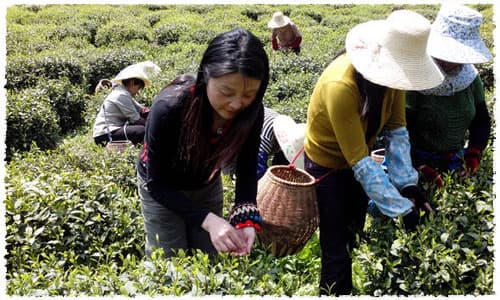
x=455 y=36
x=290 y=137
x=143 y=70
x=278 y=20
x=392 y=52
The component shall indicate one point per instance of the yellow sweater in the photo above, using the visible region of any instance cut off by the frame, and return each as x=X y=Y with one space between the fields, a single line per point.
x=335 y=133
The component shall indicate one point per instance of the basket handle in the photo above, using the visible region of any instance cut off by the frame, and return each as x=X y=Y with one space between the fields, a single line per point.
x=292 y=165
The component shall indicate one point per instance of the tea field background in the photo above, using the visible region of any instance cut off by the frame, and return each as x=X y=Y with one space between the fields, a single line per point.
x=72 y=215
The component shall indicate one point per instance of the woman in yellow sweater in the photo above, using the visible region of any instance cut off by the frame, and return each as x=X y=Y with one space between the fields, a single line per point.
x=359 y=96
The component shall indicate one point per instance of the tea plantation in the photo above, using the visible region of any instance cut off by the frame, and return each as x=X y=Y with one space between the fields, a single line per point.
x=73 y=218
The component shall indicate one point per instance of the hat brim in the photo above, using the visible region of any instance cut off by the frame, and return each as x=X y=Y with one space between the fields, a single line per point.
x=119 y=79
x=290 y=137
x=140 y=70
x=463 y=52
x=272 y=24
x=378 y=65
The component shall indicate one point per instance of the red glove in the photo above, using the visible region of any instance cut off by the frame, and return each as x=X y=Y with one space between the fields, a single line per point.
x=430 y=174
x=472 y=159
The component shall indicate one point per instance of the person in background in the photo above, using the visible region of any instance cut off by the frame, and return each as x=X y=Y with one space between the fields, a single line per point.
x=278 y=132
x=285 y=34
x=441 y=118
x=358 y=97
x=197 y=126
x=121 y=117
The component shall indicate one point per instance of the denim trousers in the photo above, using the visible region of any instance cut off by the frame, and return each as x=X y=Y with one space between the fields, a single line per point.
x=342 y=205
x=167 y=230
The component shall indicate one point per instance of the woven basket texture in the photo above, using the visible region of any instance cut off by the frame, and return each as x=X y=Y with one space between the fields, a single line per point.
x=118 y=146
x=286 y=199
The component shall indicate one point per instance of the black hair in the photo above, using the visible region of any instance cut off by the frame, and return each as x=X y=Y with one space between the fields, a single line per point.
x=134 y=81
x=235 y=51
x=372 y=98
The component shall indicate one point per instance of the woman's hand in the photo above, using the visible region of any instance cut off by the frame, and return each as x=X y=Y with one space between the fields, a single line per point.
x=225 y=237
x=248 y=235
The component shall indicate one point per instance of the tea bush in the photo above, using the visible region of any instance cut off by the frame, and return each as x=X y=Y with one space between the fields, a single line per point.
x=119 y=32
x=30 y=119
x=23 y=39
x=67 y=100
x=23 y=72
x=168 y=33
x=72 y=212
x=452 y=256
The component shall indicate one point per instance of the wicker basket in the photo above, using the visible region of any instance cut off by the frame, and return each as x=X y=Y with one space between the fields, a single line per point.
x=118 y=146
x=378 y=155
x=286 y=199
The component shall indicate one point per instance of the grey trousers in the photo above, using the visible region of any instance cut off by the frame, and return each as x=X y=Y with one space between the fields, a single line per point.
x=165 y=229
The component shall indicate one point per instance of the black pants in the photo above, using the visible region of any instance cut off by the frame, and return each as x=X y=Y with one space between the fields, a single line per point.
x=342 y=205
x=134 y=133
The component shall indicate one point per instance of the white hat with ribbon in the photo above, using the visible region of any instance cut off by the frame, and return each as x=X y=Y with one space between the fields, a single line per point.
x=393 y=52
x=143 y=71
x=290 y=137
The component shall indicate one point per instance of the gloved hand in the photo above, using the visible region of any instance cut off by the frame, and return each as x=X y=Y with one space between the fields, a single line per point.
x=472 y=159
x=411 y=220
x=430 y=174
x=415 y=194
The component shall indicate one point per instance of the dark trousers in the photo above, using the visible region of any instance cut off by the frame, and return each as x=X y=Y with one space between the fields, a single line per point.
x=342 y=205
x=133 y=133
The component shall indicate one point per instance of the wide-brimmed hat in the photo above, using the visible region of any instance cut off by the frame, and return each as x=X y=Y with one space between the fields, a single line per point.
x=278 y=20
x=392 y=52
x=143 y=70
x=455 y=36
x=290 y=137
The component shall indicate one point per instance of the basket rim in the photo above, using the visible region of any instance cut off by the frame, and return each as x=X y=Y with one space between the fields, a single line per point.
x=378 y=152
x=311 y=181
x=119 y=142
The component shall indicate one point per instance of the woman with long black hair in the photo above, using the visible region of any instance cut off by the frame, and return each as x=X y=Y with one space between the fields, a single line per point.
x=358 y=97
x=197 y=126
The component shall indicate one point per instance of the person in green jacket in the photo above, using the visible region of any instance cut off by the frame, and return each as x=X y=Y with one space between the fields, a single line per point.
x=439 y=119
x=359 y=96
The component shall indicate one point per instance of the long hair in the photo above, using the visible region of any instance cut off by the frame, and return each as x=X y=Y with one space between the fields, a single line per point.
x=372 y=98
x=235 y=51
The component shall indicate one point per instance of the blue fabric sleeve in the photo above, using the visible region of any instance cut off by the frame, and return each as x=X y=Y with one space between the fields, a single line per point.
x=379 y=188
x=262 y=163
x=398 y=159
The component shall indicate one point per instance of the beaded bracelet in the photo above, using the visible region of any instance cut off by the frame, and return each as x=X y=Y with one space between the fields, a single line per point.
x=248 y=223
x=245 y=215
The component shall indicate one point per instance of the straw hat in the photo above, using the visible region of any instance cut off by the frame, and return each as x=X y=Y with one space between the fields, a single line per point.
x=392 y=52
x=290 y=137
x=278 y=20
x=455 y=36
x=143 y=70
